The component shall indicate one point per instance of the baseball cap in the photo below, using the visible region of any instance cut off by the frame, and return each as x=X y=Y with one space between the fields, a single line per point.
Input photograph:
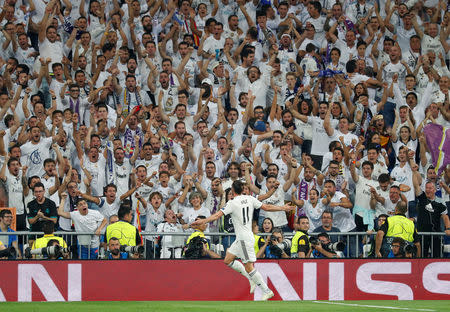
x=207 y=81
x=215 y=64
x=260 y=126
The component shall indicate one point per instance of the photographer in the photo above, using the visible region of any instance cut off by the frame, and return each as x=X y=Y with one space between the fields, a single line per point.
x=401 y=249
x=6 y=253
x=6 y=218
x=275 y=246
x=197 y=246
x=323 y=248
x=60 y=253
x=117 y=252
x=48 y=227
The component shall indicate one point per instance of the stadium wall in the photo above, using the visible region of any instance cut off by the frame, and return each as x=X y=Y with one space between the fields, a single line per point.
x=319 y=279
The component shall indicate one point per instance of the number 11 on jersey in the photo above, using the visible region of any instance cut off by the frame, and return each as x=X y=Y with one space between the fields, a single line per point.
x=245 y=216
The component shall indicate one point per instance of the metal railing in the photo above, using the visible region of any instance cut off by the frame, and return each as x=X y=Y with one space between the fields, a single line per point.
x=356 y=243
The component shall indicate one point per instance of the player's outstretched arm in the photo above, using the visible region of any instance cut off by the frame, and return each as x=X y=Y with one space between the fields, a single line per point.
x=268 y=207
x=211 y=218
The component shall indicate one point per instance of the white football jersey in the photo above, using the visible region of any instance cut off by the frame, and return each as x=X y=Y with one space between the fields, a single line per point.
x=241 y=209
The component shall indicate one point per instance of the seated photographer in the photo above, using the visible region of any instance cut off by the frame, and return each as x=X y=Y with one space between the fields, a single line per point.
x=4 y=252
x=59 y=252
x=276 y=246
x=197 y=246
x=11 y=241
x=114 y=250
x=401 y=249
x=48 y=227
x=118 y=252
x=324 y=248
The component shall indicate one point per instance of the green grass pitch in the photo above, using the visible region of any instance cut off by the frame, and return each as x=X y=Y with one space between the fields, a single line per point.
x=166 y=306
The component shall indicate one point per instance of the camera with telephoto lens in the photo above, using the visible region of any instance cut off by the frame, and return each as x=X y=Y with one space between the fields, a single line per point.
x=284 y=245
x=8 y=253
x=132 y=249
x=314 y=241
x=51 y=251
x=331 y=247
x=409 y=250
x=338 y=246
x=277 y=248
x=273 y=239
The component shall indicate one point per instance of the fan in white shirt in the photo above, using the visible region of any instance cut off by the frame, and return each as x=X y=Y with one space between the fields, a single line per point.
x=85 y=220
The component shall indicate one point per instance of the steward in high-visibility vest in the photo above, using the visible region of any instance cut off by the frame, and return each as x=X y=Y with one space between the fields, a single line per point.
x=396 y=226
x=126 y=233
x=259 y=242
x=301 y=247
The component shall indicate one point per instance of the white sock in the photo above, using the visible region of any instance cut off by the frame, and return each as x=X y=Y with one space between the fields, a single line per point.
x=239 y=267
x=257 y=278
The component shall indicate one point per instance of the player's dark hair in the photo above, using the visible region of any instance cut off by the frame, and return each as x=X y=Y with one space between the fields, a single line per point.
x=238 y=187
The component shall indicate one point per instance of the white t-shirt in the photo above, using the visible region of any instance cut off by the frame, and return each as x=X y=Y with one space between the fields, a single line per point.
x=348 y=137
x=363 y=195
x=346 y=51
x=33 y=156
x=169 y=241
x=189 y=213
x=211 y=45
x=314 y=214
x=87 y=223
x=170 y=98
x=154 y=218
x=97 y=170
x=319 y=135
x=151 y=165
x=278 y=217
x=241 y=210
x=391 y=69
x=121 y=176
x=429 y=43
x=49 y=183
x=411 y=144
x=53 y=50
x=403 y=37
x=342 y=217
x=404 y=176
x=15 y=191
x=380 y=208
x=108 y=210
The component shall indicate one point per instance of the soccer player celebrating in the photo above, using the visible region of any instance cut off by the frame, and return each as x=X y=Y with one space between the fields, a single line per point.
x=241 y=210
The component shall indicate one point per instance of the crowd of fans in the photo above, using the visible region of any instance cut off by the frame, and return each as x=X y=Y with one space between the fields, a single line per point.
x=160 y=105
